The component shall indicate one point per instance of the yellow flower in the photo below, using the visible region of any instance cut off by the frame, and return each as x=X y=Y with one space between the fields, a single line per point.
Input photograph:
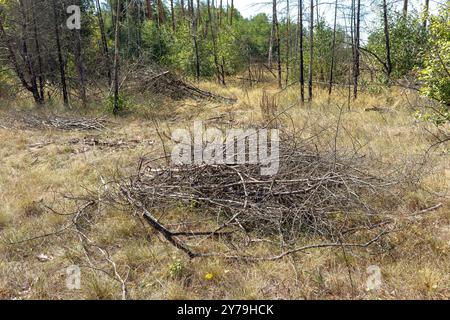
x=209 y=276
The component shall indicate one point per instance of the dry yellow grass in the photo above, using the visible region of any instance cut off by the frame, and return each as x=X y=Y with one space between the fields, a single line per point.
x=415 y=266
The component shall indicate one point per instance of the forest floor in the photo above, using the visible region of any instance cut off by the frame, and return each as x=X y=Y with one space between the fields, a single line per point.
x=39 y=165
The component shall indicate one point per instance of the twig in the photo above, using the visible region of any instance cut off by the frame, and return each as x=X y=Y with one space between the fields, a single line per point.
x=433 y=208
x=296 y=250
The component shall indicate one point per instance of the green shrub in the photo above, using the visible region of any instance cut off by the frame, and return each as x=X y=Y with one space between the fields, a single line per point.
x=109 y=104
x=435 y=74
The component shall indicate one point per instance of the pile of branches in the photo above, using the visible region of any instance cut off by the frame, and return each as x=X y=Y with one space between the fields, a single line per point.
x=313 y=195
x=62 y=123
x=168 y=84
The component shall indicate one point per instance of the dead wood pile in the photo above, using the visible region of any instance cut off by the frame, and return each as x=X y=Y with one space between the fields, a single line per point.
x=37 y=121
x=170 y=85
x=313 y=195
x=90 y=142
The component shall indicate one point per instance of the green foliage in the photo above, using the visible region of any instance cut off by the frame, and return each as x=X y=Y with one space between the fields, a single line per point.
x=438 y=117
x=179 y=48
x=253 y=36
x=109 y=104
x=177 y=269
x=154 y=42
x=407 y=39
x=236 y=44
x=435 y=74
x=414 y=49
x=323 y=42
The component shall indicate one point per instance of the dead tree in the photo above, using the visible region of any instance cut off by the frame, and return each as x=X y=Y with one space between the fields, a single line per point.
x=278 y=48
x=387 y=41
x=39 y=55
x=218 y=32
x=214 y=42
x=288 y=40
x=19 y=70
x=78 y=54
x=80 y=67
x=333 y=50
x=26 y=54
x=275 y=42
x=195 y=21
x=356 y=65
x=62 y=70
x=302 y=67
x=117 y=60
x=311 y=52
x=104 y=39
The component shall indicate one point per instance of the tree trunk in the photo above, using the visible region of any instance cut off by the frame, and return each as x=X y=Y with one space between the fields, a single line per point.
x=195 y=21
x=161 y=17
x=302 y=67
x=426 y=14
x=352 y=32
x=117 y=60
x=387 y=40
x=288 y=40
x=27 y=56
x=113 y=18
x=104 y=41
x=39 y=56
x=149 y=9
x=405 y=8
x=19 y=72
x=311 y=52
x=214 y=41
x=356 y=66
x=276 y=41
x=232 y=12
x=182 y=8
x=192 y=10
x=218 y=28
x=272 y=36
x=220 y=12
x=80 y=67
x=172 y=9
x=62 y=70
x=333 y=50
x=78 y=54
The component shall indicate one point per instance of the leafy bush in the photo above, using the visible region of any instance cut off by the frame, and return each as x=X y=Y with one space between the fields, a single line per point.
x=235 y=44
x=435 y=74
x=122 y=104
x=407 y=39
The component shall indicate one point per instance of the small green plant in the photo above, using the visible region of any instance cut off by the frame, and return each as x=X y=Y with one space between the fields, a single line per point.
x=437 y=117
x=123 y=104
x=194 y=204
x=176 y=269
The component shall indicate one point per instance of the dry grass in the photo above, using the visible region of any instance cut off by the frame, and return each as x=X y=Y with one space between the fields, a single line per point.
x=414 y=261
